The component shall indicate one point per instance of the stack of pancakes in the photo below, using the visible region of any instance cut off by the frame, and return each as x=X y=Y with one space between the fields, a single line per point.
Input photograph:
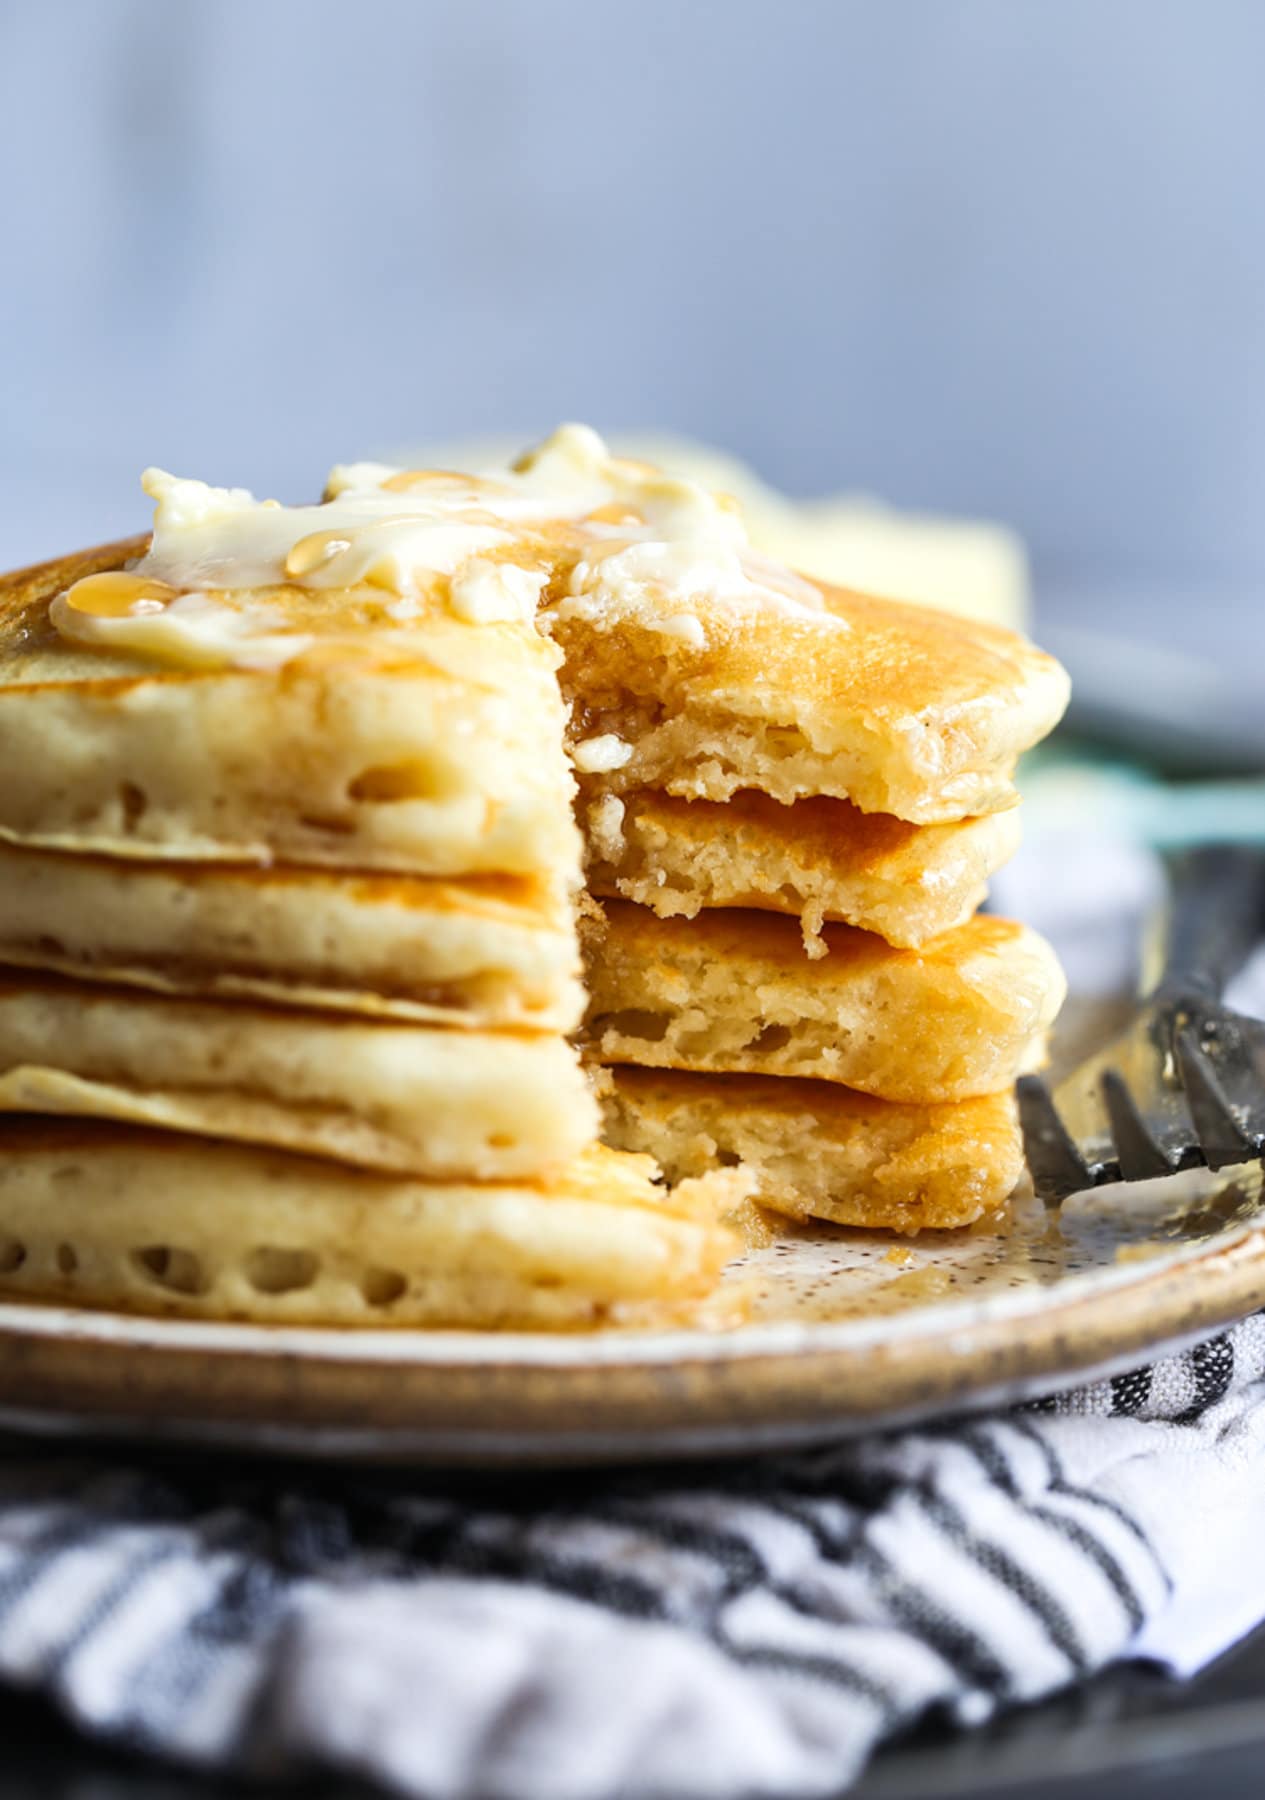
x=288 y=878
x=287 y=872
x=790 y=828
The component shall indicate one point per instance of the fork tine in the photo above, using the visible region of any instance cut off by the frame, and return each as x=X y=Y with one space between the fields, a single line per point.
x=1235 y=1051
x=1140 y=1157
x=1221 y=1136
x=1056 y=1166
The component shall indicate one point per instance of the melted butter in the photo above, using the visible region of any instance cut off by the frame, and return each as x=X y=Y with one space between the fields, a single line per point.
x=621 y=539
x=394 y=541
x=643 y=543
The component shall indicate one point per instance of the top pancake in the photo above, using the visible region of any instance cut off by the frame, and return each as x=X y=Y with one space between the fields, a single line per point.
x=897 y=708
x=445 y=760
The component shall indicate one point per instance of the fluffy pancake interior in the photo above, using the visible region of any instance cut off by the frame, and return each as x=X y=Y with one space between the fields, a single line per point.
x=822 y=859
x=820 y=1151
x=734 y=992
x=899 y=709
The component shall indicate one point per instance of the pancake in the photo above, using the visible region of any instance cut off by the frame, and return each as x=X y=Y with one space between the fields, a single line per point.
x=408 y=1098
x=820 y=859
x=489 y=951
x=439 y=755
x=734 y=992
x=818 y=1151
x=897 y=708
x=131 y=1220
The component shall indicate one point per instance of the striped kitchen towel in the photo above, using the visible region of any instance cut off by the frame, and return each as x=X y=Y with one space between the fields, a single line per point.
x=756 y=1629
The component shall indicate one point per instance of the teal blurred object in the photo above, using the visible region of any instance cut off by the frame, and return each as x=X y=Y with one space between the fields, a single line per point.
x=1071 y=786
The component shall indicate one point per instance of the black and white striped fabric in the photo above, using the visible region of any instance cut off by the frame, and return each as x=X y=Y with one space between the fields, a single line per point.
x=754 y=1629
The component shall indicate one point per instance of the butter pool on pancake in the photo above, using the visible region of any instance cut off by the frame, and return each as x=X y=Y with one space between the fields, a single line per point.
x=107 y=1216
x=394 y=736
x=484 y=952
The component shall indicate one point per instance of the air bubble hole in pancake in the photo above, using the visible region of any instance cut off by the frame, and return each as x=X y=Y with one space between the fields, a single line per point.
x=179 y=1271
x=273 y=1269
x=383 y=1287
x=389 y=782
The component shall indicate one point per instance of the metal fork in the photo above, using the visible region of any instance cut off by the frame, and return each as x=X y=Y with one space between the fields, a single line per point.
x=1183 y=1085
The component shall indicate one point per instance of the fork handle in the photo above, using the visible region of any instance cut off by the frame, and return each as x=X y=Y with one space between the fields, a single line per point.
x=1215 y=910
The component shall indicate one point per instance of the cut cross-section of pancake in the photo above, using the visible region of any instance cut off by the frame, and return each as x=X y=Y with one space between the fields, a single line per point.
x=821 y=1151
x=489 y=951
x=412 y=1098
x=733 y=991
x=92 y=1215
x=821 y=859
x=433 y=749
x=897 y=708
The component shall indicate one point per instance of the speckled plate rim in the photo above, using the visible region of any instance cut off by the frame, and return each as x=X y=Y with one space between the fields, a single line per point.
x=465 y=1398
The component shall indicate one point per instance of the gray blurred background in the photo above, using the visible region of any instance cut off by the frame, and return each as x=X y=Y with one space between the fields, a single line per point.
x=1003 y=257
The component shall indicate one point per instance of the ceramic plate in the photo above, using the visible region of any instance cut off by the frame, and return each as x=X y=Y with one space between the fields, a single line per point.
x=849 y=1330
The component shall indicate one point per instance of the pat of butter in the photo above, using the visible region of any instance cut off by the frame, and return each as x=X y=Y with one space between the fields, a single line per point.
x=626 y=541
x=599 y=755
x=606 y=827
x=209 y=538
x=650 y=543
x=485 y=592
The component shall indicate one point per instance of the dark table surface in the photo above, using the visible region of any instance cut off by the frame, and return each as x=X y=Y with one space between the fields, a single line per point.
x=1131 y=1736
